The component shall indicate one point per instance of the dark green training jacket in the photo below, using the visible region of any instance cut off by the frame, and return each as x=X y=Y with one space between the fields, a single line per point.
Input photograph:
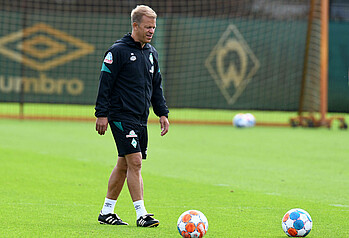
x=130 y=81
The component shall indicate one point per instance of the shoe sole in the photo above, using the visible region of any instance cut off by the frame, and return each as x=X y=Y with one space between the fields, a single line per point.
x=152 y=225
x=104 y=223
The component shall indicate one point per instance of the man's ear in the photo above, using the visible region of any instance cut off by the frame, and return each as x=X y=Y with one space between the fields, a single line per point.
x=134 y=25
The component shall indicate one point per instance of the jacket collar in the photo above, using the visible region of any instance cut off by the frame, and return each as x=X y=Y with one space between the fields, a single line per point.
x=131 y=42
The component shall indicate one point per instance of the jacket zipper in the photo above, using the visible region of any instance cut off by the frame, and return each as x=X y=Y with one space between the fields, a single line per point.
x=145 y=80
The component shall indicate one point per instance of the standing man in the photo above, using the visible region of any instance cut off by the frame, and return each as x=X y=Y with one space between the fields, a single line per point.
x=130 y=81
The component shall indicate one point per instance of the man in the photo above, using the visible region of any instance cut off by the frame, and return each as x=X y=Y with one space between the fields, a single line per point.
x=130 y=81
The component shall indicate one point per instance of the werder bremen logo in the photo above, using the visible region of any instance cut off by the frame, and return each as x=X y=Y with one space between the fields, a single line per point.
x=232 y=64
x=42 y=47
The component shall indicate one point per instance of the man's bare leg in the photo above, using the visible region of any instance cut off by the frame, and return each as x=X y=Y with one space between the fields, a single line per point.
x=134 y=176
x=135 y=186
x=115 y=185
x=117 y=179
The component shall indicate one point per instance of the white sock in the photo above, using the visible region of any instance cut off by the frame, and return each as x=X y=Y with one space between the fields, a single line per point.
x=108 y=206
x=140 y=209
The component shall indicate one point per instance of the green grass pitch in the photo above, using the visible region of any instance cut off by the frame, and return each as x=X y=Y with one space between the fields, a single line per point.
x=54 y=177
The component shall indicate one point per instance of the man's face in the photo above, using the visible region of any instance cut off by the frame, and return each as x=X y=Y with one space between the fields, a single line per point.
x=145 y=30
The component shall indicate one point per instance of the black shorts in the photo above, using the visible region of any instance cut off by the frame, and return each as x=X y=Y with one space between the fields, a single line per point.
x=130 y=138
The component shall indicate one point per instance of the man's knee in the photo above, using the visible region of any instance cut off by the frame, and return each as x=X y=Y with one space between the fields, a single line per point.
x=121 y=165
x=134 y=161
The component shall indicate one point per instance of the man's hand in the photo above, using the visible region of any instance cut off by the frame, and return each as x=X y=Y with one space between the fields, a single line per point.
x=101 y=125
x=164 y=125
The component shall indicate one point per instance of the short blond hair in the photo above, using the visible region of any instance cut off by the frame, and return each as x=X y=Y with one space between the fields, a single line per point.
x=140 y=11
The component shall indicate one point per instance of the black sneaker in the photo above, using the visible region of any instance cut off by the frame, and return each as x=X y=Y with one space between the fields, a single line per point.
x=110 y=219
x=147 y=221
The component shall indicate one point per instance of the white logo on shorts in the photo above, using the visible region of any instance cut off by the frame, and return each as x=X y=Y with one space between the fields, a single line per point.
x=131 y=134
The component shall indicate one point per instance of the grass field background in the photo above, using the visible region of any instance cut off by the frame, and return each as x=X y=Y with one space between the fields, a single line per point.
x=61 y=111
x=54 y=176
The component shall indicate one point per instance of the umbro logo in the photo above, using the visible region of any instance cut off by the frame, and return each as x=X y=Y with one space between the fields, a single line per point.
x=42 y=47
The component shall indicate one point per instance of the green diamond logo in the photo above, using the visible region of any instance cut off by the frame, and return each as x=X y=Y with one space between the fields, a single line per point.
x=134 y=142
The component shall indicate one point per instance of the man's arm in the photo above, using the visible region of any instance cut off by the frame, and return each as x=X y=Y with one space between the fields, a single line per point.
x=106 y=81
x=102 y=102
x=158 y=100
